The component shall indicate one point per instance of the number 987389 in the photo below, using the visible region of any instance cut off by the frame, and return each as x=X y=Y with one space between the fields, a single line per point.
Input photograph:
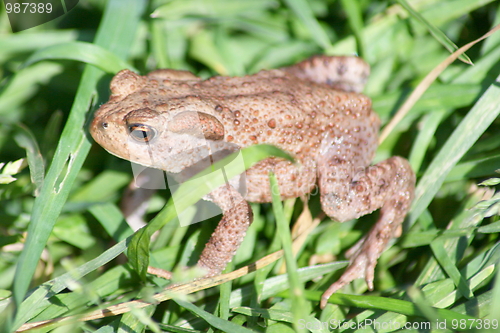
x=28 y=7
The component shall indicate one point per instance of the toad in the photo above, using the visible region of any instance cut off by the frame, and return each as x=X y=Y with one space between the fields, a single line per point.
x=172 y=120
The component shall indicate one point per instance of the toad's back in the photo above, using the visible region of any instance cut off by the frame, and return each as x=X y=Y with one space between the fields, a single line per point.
x=300 y=109
x=277 y=108
x=274 y=107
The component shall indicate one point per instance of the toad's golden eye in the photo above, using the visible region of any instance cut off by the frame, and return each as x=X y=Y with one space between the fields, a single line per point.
x=141 y=132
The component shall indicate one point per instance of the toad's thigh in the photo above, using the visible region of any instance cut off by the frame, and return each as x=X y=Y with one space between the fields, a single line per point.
x=294 y=180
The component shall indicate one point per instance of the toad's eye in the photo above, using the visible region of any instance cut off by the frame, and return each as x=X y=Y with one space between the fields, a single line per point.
x=141 y=132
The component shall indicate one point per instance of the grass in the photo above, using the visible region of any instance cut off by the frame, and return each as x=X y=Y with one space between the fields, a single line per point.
x=63 y=236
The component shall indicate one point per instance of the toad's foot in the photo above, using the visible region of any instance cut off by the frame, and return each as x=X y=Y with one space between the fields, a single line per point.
x=388 y=185
x=362 y=265
x=364 y=254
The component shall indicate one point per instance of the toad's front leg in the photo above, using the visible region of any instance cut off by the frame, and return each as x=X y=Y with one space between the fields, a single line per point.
x=388 y=185
x=229 y=234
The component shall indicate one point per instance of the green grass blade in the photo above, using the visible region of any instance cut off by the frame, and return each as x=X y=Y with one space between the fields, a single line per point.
x=355 y=19
x=23 y=86
x=438 y=34
x=437 y=96
x=474 y=169
x=206 y=51
x=225 y=295
x=467 y=219
x=223 y=325
x=102 y=187
x=443 y=293
x=274 y=285
x=112 y=220
x=438 y=248
x=27 y=140
x=440 y=12
x=492 y=43
x=18 y=43
x=303 y=10
x=137 y=320
x=490 y=228
x=53 y=194
x=484 y=112
x=115 y=33
x=430 y=123
x=214 y=9
x=388 y=304
x=138 y=252
x=495 y=299
x=422 y=304
x=85 y=52
x=299 y=308
x=33 y=304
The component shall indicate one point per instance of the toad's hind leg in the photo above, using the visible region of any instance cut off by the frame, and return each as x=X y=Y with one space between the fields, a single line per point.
x=343 y=73
x=388 y=185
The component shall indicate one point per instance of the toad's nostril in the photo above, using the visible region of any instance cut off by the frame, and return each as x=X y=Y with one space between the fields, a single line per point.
x=104 y=125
